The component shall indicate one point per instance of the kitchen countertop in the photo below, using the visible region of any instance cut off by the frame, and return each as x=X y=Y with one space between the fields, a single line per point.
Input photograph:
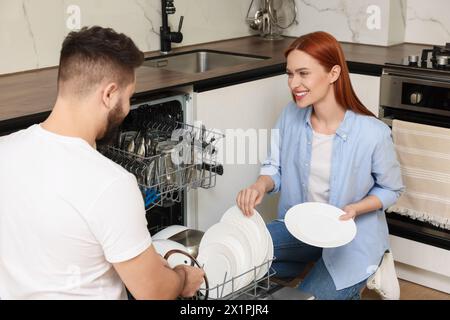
x=34 y=92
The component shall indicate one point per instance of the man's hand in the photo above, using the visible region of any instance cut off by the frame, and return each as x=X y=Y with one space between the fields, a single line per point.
x=350 y=213
x=193 y=278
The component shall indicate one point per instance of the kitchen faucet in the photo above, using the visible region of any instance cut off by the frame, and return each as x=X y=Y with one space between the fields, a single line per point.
x=166 y=36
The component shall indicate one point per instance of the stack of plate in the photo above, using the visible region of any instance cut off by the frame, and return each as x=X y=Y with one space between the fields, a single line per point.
x=238 y=248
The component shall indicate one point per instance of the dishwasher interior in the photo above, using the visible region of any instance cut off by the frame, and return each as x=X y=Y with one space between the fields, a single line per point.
x=168 y=156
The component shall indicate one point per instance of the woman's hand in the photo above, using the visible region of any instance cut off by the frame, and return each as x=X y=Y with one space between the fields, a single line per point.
x=249 y=198
x=350 y=213
x=368 y=204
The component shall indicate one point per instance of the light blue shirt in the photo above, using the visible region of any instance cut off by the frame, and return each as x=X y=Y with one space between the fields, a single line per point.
x=363 y=163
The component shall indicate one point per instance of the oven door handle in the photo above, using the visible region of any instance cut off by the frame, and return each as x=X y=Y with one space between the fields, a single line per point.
x=417 y=80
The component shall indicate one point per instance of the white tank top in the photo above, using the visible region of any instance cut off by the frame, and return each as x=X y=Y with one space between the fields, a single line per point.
x=319 y=176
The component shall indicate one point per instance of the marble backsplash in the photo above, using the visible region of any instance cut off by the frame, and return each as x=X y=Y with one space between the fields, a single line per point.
x=361 y=21
x=414 y=21
x=31 y=31
x=428 y=22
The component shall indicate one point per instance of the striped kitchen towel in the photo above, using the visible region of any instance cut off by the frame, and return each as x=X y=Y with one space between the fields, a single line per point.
x=424 y=155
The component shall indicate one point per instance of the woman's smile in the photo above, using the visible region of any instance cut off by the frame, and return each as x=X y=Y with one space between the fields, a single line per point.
x=299 y=95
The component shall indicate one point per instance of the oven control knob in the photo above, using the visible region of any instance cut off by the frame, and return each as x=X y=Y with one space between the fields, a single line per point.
x=413 y=59
x=416 y=98
x=442 y=61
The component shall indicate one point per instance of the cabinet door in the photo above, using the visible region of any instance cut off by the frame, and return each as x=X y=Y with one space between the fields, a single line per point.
x=367 y=89
x=254 y=108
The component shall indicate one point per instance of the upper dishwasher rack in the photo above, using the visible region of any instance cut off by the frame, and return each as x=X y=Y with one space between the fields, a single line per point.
x=165 y=155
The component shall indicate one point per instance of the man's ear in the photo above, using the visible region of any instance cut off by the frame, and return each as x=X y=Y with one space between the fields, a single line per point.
x=108 y=95
x=335 y=73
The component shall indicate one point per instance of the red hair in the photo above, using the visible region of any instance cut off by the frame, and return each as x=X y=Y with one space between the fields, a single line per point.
x=328 y=52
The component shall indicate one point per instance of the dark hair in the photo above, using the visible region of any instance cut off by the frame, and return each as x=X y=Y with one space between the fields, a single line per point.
x=326 y=49
x=93 y=54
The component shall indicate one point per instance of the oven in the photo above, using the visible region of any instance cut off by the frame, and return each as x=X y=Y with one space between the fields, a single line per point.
x=416 y=94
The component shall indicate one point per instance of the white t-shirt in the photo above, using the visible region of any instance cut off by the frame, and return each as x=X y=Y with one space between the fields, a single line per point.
x=66 y=214
x=319 y=175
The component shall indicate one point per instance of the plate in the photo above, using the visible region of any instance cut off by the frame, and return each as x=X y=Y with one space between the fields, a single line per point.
x=231 y=236
x=219 y=264
x=223 y=230
x=269 y=257
x=318 y=224
x=265 y=244
x=255 y=235
x=256 y=218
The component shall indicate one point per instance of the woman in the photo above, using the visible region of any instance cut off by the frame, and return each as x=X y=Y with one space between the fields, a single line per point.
x=330 y=149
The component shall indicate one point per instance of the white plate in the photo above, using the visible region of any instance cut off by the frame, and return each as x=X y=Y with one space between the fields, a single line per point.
x=219 y=264
x=239 y=254
x=270 y=250
x=259 y=221
x=229 y=235
x=217 y=232
x=249 y=226
x=318 y=224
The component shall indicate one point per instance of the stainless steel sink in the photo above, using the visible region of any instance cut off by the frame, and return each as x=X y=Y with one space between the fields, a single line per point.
x=200 y=61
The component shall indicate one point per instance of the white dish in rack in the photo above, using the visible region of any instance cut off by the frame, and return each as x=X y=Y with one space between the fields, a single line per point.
x=264 y=269
x=256 y=236
x=231 y=236
x=219 y=264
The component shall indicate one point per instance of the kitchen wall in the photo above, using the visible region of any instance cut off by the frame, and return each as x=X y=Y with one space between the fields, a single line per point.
x=31 y=32
x=428 y=22
x=414 y=21
x=361 y=21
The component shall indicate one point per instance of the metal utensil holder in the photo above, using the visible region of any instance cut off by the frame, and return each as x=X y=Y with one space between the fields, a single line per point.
x=255 y=290
x=167 y=181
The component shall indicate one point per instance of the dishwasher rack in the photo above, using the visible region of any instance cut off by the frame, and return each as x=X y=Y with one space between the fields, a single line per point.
x=168 y=157
x=257 y=289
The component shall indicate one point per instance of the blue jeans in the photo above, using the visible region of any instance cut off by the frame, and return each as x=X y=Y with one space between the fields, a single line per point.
x=292 y=256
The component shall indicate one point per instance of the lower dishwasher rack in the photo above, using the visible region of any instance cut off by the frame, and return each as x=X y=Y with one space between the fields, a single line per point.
x=257 y=289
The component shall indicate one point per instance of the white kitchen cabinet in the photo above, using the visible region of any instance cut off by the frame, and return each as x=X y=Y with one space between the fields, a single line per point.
x=253 y=107
x=367 y=89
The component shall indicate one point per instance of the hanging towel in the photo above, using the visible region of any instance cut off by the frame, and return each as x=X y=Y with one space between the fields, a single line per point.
x=424 y=155
x=384 y=281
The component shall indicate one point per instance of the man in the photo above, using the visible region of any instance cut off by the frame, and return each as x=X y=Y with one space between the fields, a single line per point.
x=72 y=222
